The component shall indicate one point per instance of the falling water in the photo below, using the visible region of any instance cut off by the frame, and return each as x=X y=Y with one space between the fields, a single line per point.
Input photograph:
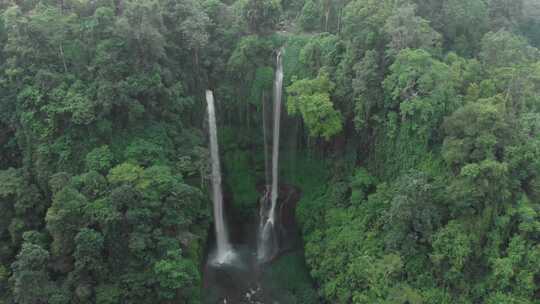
x=224 y=250
x=265 y=145
x=267 y=238
x=278 y=87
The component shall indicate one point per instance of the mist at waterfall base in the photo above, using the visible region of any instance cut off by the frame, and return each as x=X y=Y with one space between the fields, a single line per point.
x=247 y=280
x=250 y=264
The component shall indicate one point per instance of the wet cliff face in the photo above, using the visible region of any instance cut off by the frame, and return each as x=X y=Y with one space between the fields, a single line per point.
x=260 y=209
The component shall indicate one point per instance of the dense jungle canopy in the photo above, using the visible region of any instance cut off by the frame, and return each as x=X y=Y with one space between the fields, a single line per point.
x=411 y=127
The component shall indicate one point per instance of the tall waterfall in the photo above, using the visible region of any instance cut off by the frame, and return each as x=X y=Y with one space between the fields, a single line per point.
x=224 y=249
x=267 y=244
x=278 y=88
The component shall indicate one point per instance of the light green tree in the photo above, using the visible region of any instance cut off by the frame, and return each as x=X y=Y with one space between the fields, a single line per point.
x=311 y=99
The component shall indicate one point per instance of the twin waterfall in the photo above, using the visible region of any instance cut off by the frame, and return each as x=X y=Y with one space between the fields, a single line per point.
x=267 y=243
x=224 y=249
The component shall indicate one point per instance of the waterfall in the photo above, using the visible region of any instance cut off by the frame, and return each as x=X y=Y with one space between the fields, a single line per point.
x=224 y=250
x=265 y=143
x=278 y=88
x=267 y=245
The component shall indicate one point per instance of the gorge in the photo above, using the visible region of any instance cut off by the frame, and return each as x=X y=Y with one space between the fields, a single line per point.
x=248 y=267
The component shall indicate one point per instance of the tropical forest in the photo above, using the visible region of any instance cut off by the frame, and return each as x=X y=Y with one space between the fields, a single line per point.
x=269 y=151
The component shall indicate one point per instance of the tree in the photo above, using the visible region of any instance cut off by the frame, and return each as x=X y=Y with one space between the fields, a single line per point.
x=187 y=20
x=9 y=189
x=367 y=89
x=475 y=132
x=463 y=23
x=177 y=276
x=141 y=26
x=262 y=15
x=93 y=112
x=505 y=14
x=421 y=88
x=64 y=219
x=4 y=275
x=99 y=159
x=406 y=30
x=453 y=247
x=363 y=22
x=125 y=173
x=311 y=99
x=31 y=283
x=502 y=49
x=413 y=216
x=88 y=251
x=321 y=51
x=310 y=18
x=531 y=22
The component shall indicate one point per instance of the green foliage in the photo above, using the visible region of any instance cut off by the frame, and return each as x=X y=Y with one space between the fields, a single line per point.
x=4 y=275
x=100 y=159
x=176 y=273
x=475 y=131
x=242 y=180
x=30 y=278
x=452 y=246
x=144 y=152
x=320 y=51
x=465 y=23
x=262 y=16
x=311 y=99
x=310 y=17
x=365 y=86
x=292 y=64
x=422 y=88
x=125 y=173
x=107 y=294
x=363 y=22
x=504 y=13
x=264 y=78
x=503 y=48
x=250 y=53
x=11 y=179
x=290 y=279
x=345 y=242
x=107 y=97
x=361 y=183
x=64 y=218
x=406 y=30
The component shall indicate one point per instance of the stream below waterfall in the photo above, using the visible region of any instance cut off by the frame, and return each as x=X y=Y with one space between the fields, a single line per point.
x=282 y=280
